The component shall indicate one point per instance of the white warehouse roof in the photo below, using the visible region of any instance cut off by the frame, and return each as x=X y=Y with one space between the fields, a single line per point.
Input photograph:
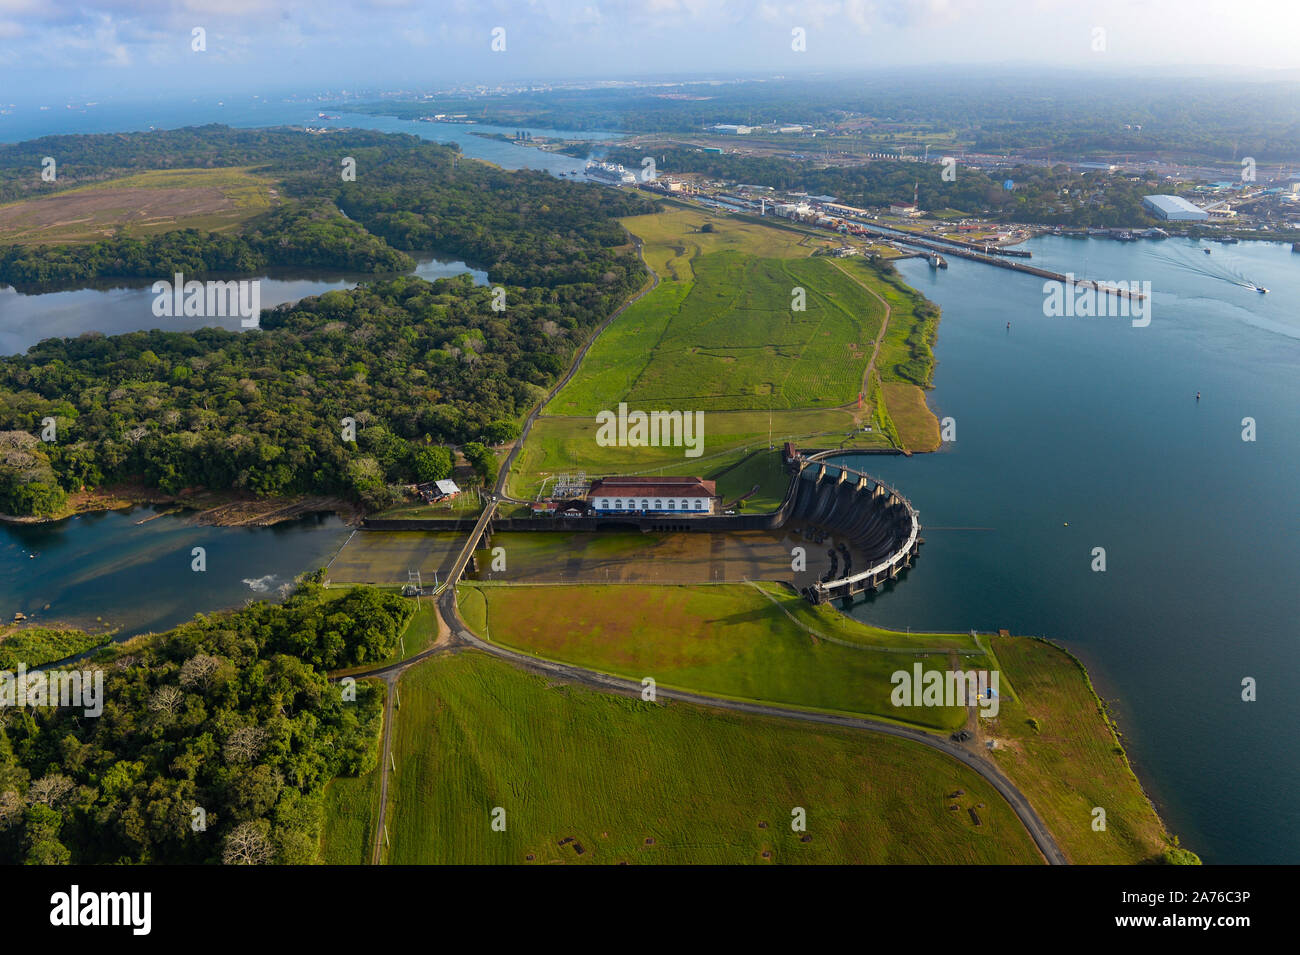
x=1173 y=207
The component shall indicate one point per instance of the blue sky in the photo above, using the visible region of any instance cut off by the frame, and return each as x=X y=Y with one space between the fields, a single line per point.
x=49 y=48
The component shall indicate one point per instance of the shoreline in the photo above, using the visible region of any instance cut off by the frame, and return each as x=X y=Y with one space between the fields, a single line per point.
x=212 y=508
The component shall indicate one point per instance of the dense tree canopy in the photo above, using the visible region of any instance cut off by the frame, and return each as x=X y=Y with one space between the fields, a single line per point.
x=415 y=364
x=230 y=714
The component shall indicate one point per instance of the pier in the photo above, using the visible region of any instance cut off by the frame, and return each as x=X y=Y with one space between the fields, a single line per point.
x=966 y=250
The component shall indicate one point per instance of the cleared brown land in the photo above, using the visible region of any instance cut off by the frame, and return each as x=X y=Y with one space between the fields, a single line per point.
x=151 y=202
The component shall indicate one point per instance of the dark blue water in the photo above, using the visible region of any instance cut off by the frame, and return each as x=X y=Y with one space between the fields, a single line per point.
x=1075 y=433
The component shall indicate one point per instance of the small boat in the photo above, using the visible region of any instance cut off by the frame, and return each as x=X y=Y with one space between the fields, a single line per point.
x=1206 y=251
x=1261 y=290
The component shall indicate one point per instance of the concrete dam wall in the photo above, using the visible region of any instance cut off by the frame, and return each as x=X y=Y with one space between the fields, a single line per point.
x=879 y=523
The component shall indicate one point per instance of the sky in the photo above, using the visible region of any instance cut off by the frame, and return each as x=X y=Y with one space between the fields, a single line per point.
x=99 y=48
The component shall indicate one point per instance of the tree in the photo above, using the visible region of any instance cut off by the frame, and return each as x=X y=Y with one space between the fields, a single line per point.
x=244 y=744
x=432 y=464
x=199 y=670
x=165 y=699
x=51 y=790
x=482 y=460
x=248 y=844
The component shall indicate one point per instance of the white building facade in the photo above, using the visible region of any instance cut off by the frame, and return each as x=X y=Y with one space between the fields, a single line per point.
x=677 y=496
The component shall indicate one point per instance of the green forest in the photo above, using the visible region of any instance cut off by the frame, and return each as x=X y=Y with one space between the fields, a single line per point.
x=215 y=742
x=419 y=367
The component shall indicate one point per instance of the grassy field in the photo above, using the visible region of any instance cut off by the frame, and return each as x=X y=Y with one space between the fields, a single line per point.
x=31 y=645
x=586 y=777
x=918 y=428
x=906 y=327
x=1071 y=761
x=673 y=239
x=142 y=204
x=465 y=504
x=719 y=335
x=559 y=444
x=728 y=640
x=763 y=470
x=728 y=339
x=1053 y=737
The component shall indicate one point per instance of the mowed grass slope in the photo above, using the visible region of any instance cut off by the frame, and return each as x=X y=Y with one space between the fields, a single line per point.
x=1072 y=762
x=727 y=640
x=559 y=444
x=732 y=341
x=629 y=781
x=720 y=335
x=722 y=640
x=143 y=204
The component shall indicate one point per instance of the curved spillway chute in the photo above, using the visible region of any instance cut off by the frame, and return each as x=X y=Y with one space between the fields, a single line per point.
x=877 y=520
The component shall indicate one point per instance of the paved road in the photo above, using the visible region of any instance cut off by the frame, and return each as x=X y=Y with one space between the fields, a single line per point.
x=385 y=751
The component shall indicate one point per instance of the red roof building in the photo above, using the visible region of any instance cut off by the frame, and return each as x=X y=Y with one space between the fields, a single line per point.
x=651 y=495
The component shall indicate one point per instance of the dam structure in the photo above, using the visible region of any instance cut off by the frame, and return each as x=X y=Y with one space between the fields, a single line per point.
x=873 y=526
x=878 y=522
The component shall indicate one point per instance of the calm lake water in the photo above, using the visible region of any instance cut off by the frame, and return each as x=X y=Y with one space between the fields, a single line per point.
x=132 y=569
x=26 y=319
x=1076 y=433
